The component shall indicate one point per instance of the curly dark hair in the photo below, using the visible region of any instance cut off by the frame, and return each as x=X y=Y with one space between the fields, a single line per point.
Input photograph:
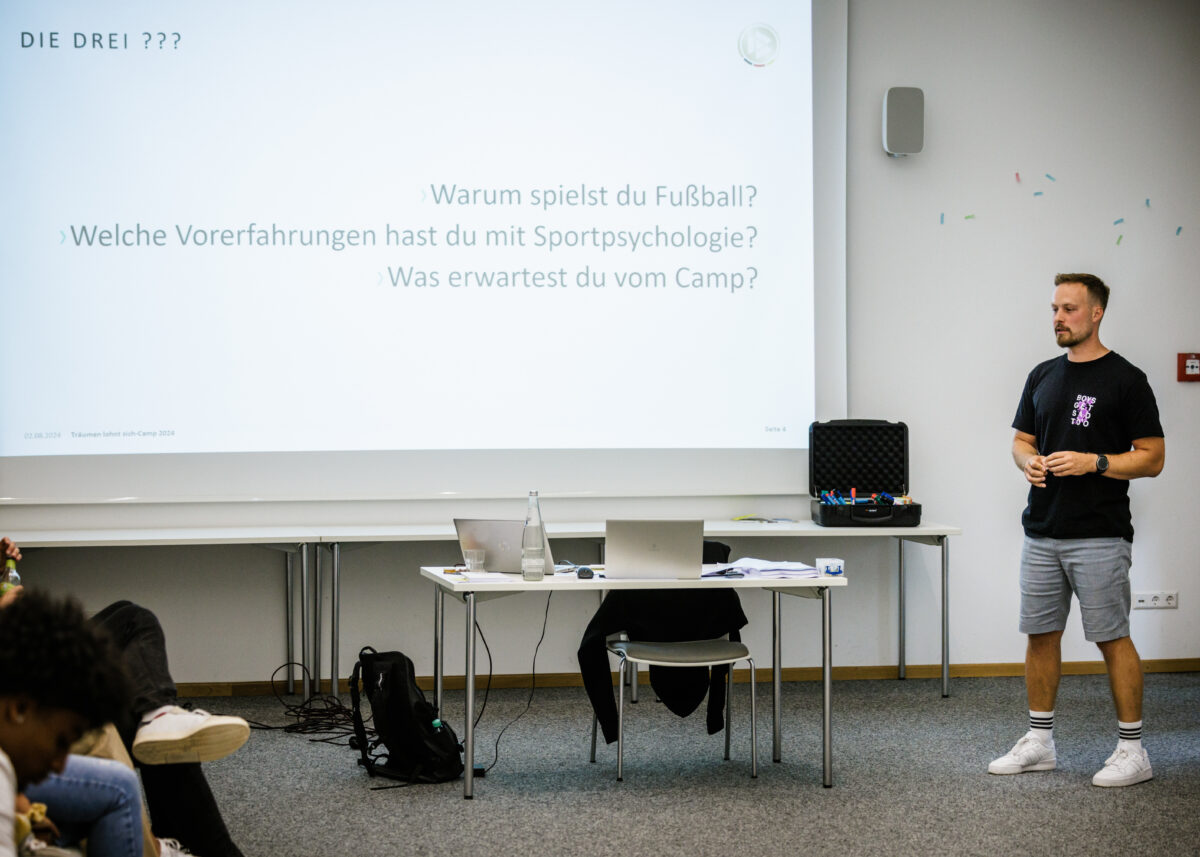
x=50 y=653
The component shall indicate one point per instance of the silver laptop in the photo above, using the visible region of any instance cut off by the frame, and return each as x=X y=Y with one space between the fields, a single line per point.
x=500 y=542
x=653 y=549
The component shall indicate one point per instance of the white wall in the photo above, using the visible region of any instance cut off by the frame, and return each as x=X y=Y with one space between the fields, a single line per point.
x=944 y=322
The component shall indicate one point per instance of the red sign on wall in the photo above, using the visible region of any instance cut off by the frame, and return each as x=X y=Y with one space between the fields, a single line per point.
x=1189 y=367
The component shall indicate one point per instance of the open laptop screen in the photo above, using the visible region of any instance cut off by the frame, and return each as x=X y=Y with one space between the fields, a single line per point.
x=500 y=540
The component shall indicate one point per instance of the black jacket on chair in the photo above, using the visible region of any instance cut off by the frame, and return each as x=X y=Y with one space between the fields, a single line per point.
x=661 y=616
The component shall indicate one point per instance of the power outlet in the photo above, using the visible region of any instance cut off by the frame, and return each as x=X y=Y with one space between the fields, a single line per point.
x=1155 y=600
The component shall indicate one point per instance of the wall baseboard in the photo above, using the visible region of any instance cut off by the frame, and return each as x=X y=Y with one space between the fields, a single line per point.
x=456 y=682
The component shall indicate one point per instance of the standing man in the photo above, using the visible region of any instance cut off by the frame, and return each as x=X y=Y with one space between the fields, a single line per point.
x=1087 y=424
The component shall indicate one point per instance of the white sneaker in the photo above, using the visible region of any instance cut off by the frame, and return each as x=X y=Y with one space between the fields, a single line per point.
x=1028 y=754
x=1125 y=767
x=172 y=848
x=173 y=735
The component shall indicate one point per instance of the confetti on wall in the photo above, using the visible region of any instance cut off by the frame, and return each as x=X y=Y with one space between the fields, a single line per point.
x=1050 y=177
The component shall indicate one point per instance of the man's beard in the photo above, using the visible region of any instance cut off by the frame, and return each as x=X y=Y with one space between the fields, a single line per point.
x=1067 y=339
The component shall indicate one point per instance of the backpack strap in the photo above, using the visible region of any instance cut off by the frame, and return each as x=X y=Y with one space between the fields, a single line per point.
x=360 y=730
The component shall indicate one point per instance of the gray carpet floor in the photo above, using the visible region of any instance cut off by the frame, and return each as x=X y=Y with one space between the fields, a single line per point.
x=909 y=767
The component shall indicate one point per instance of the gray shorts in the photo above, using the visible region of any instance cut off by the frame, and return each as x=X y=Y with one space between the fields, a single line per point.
x=1096 y=570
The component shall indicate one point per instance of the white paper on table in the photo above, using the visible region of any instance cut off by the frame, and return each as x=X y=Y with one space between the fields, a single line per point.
x=751 y=567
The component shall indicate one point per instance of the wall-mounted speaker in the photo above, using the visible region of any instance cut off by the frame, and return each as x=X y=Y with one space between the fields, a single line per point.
x=903 y=121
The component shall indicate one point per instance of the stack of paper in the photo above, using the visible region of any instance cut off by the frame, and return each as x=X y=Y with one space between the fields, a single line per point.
x=750 y=567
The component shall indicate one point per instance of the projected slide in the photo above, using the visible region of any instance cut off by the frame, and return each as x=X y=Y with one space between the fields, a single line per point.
x=292 y=226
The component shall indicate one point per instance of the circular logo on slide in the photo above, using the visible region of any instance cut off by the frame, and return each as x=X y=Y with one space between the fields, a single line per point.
x=759 y=45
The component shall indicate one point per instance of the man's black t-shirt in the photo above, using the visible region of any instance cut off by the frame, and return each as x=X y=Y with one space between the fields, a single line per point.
x=1098 y=406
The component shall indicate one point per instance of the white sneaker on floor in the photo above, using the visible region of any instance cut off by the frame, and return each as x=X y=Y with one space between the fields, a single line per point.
x=173 y=735
x=1125 y=767
x=172 y=848
x=1028 y=754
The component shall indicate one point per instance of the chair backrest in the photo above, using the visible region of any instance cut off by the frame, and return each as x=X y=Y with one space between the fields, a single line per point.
x=715 y=552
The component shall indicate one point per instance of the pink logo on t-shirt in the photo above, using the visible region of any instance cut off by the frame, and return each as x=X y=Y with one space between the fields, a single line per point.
x=1083 y=410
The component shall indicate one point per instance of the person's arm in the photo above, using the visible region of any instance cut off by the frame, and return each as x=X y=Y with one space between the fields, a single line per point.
x=1145 y=459
x=1026 y=457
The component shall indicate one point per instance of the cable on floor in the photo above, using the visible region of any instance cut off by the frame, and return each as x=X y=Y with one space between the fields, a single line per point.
x=323 y=715
x=532 y=684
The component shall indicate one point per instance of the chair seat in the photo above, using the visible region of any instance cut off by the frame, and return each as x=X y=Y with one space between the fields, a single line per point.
x=687 y=653
x=696 y=653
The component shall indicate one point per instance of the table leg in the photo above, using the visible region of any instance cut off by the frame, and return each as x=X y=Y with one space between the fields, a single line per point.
x=439 y=638
x=305 y=624
x=289 y=586
x=945 y=615
x=622 y=671
x=903 y=609
x=776 y=676
x=827 y=683
x=317 y=594
x=469 y=729
x=335 y=607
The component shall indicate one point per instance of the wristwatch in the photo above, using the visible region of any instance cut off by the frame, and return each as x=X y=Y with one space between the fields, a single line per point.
x=1101 y=463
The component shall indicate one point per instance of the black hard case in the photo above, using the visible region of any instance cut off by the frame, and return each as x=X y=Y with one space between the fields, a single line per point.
x=867 y=455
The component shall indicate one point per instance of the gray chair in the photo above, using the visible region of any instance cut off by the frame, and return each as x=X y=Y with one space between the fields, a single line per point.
x=690 y=653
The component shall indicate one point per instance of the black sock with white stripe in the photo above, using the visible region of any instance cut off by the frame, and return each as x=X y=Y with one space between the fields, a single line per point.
x=1041 y=723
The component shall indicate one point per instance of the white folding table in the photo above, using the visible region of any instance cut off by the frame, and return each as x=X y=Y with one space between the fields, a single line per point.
x=470 y=592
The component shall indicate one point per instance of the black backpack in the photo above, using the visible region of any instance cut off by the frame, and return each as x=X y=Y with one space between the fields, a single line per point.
x=419 y=747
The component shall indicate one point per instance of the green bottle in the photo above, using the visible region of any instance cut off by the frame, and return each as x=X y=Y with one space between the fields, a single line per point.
x=11 y=578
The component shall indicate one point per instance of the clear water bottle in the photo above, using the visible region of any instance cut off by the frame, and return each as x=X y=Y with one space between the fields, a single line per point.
x=11 y=579
x=533 y=542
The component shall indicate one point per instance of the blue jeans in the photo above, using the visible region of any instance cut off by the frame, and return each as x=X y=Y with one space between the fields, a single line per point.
x=94 y=799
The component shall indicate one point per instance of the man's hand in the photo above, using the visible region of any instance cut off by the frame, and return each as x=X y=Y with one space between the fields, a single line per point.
x=1065 y=463
x=1025 y=455
x=1035 y=470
